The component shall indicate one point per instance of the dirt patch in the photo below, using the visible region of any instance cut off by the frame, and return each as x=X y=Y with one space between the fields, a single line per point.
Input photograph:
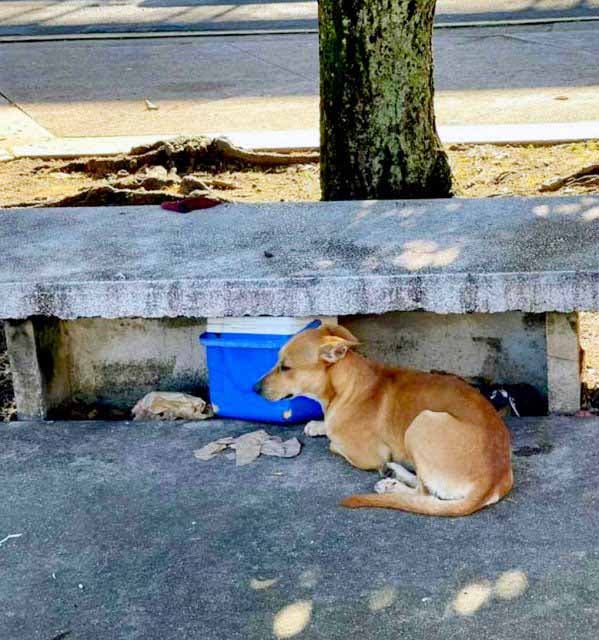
x=479 y=171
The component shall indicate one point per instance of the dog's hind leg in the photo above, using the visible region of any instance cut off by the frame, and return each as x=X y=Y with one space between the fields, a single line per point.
x=392 y=485
x=402 y=474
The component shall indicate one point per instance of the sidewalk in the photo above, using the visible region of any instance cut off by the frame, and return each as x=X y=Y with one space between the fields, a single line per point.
x=48 y=17
x=120 y=533
x=260 y=83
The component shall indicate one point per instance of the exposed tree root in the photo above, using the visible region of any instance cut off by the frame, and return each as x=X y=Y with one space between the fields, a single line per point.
x=587 y=176
x=187 y=155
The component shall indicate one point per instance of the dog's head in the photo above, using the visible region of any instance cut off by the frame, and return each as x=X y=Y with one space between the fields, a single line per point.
x=302 y=367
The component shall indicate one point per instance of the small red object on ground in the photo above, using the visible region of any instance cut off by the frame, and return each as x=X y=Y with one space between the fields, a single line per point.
x=191 y=204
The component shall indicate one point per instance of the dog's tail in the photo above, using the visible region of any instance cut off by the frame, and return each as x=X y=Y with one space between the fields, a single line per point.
x=428 y=505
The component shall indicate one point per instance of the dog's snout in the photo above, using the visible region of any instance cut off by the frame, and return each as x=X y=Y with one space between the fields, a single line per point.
x=258 y=387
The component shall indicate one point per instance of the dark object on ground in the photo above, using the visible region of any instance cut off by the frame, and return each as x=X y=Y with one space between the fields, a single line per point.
x=515 y=399
x=7 y=398
x=268 y=254
x=526 y=452
x=590 y=398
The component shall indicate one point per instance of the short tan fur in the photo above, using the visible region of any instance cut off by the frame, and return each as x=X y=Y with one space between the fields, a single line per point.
x=377 y=416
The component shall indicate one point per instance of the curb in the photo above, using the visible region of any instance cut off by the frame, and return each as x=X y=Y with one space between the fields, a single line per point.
x=220 y=33
x=305 y=139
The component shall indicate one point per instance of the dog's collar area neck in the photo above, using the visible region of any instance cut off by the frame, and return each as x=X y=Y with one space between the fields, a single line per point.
x=346 y=375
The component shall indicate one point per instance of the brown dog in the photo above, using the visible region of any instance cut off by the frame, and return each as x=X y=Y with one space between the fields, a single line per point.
x=377 y=416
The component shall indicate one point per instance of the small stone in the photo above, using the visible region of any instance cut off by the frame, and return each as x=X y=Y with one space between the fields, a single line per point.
x=192 y=183
x=157 y=171
x=225 y=185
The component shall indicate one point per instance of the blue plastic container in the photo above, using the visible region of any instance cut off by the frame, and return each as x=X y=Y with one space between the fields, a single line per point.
x=236 y=361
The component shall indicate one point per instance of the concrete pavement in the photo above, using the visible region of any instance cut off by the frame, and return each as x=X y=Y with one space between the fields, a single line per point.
x=82 y=89
x=118 y=532
x=47 y=17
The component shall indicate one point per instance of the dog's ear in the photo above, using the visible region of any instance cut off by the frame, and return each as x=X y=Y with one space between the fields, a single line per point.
x=333 y=348
x=341 y=332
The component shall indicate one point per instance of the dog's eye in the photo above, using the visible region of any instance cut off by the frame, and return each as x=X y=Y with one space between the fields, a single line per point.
x=285 y=367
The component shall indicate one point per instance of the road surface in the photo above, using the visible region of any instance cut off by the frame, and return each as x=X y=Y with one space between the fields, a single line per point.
x=51 y=17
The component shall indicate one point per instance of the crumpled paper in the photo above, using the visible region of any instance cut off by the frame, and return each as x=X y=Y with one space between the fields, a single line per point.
x=171 y=405
x=249 y=446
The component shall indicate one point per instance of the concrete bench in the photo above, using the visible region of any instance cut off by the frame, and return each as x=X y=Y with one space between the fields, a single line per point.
x=102 y=305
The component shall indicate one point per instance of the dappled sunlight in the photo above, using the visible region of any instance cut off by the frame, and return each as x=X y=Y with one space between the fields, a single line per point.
x=568 y=208
x=474 y=596
x=418 y=254
x=510 y=585
x=587 y=208
x=541 y=210
x=453 y=206
x=382 y=598
x=292 y=619
x=364 y=210
x=395 y=210
x=591 y=214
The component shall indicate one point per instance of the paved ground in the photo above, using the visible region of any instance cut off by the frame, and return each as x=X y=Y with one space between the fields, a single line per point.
x=123 y=534
x=47 y=17
x=271 y=83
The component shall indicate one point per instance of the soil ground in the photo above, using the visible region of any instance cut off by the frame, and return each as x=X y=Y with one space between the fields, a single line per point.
x=479 y=171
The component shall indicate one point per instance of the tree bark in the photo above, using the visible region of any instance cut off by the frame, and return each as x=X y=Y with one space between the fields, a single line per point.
x=378 y=134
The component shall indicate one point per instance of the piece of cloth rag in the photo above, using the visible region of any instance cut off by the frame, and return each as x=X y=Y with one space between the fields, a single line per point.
x=171 y=405
x=249 y=446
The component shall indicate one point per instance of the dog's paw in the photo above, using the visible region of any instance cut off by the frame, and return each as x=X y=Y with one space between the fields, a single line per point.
x=387 y=485
x=315 y=428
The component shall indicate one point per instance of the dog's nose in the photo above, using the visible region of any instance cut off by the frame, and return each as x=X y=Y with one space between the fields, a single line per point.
x=258 y=387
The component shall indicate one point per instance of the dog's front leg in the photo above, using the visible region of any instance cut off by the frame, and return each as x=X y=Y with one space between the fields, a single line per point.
x=315 y=428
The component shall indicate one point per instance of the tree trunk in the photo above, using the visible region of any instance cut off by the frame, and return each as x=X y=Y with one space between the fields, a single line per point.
x=378 y=134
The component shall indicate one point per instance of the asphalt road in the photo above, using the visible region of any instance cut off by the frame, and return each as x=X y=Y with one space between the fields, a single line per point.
x=48 y=17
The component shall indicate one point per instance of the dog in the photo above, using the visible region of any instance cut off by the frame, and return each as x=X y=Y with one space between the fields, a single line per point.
x=445 y=444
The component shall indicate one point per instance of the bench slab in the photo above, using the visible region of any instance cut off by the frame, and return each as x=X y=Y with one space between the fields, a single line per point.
x=335 y=258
